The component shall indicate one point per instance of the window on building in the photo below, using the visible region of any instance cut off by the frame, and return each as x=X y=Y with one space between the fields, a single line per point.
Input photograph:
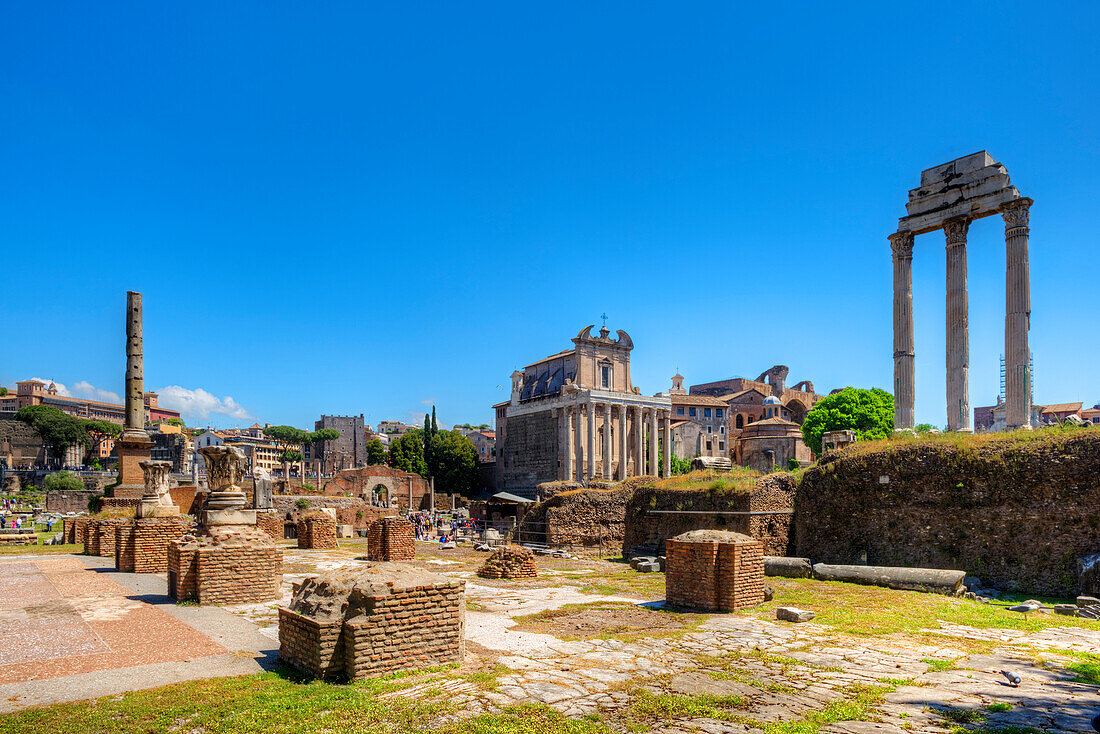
x=691 y=412
x=710 y=429
x=717 y=412
x=721 y=429
x=708 y=445
x=706 y=412
x=721 y=445
x=750 y=419
x=679 y=411
x=739 y=421
x=605 y=376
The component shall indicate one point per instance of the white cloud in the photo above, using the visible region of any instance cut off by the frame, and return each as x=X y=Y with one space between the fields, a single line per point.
x=61 y=389
x=198 y=404
x=85 y=389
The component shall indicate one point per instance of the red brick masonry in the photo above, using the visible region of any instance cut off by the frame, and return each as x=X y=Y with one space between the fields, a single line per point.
x=390 y=617
x=317 y=530
x=391 y=539
x=714 y=570
x=141 y=546
x=239 y=568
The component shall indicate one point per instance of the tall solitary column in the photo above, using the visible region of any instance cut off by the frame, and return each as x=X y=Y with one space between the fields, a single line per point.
x=639 y=440
x=958 y=331
x=668 y=444
x=133 y=444
x=904 y=394
x=1017 y=315
x=654 y=462
x=607 y=447
x=591 y=440
x=622 y=443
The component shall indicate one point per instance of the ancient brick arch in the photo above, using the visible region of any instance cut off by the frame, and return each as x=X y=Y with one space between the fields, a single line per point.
x=402 y=488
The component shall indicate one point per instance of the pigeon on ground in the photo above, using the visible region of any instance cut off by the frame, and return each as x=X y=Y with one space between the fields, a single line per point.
x=1013 y=677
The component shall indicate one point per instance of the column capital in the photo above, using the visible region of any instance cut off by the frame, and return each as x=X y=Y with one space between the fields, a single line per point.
x=902 y=245
x=955 y=230
x=1017 y=214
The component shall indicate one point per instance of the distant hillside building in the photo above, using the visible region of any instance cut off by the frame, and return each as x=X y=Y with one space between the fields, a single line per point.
x=348 y=451
x=485 y=444
x=576 y=415
x=36 y=392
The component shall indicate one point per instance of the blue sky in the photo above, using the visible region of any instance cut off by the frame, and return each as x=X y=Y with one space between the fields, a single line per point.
x=347 y=208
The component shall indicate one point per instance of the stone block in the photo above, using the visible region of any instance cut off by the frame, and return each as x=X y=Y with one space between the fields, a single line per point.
x=793 y=614
x=791 y=568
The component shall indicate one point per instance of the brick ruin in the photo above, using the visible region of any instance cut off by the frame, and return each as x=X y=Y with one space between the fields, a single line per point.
x=317 y=530
x=714 y=570
x=233 y=561
x=391 y=539
x=272 y=524
x=141 y=546
x=99 y=536
x=239 y=567
x=510 y=562
x=363 y=623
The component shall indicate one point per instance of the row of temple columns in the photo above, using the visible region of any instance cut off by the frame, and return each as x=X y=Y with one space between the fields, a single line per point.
x=625 y=425
x=1017 y=323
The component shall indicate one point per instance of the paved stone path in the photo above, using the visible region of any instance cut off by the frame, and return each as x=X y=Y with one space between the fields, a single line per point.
x=73 y=628
x=783 y=671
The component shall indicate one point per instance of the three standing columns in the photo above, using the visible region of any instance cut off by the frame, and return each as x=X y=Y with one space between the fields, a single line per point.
x=904 y=394
x=1017 y=316
x=958 y=327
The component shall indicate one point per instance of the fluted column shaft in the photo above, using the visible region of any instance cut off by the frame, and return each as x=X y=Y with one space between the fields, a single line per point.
x=1017 y=315
x=578 y=445
x=567 y=443
x=904 y=393
x=591 y=440
x=958 y=327
x=622 y=442
x=668 y=445
x=639 y=441
x=654 y=465
x=607 y=441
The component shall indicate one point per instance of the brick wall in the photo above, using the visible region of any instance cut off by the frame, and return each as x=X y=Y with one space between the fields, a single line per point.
x=242 y=568
x=704 y=570
x=119 y=503
x=141 y=546
x=271 y=523
x=99 y=536
x=315 y=647
x=74 y=528
x=70 y=501
x=317 y=530
x=391 y=539
x=395 y=618
x=529 y=455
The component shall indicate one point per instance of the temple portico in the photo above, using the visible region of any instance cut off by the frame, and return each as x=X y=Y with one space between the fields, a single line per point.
x=950 y=197
x=575 y=416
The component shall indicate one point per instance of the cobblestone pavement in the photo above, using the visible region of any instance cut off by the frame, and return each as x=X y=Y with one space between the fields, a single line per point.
x=782 y=672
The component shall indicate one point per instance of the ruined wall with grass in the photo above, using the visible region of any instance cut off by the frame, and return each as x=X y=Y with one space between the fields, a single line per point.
x=662 y=509
x=1017 y=510
x=583 y=519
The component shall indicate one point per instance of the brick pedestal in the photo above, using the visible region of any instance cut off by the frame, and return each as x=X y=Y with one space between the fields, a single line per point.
x=99 y=536
x=272 y=524
x=712 y=570
x=358 y=625
x=391 y=539
x=141 y=546
x=318 y=530
x=239 y=567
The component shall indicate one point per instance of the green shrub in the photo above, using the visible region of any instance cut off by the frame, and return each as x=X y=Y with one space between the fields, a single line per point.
x=63 y=481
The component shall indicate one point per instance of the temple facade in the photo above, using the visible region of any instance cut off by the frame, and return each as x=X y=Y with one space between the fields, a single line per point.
x=576 y=416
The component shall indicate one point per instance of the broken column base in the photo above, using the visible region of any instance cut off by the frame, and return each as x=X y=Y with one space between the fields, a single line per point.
x=238 y=566
x=141 y=546
x=154 y=509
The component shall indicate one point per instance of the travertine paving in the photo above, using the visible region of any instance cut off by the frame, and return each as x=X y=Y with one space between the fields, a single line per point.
x=783 y=672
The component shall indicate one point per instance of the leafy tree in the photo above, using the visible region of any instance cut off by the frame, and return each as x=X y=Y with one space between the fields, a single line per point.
x=99 y=431
x=173 y=422
x=407 y=453
x=376 y=452
x=3 y=392
x=454 y=463
x=923 y=427
x=63 y=481
x=58 y=430
x=287 y=440
x=680 y=466
x=870 y=413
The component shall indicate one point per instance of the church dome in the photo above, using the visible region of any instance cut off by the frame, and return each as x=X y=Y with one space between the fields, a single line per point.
x=771 y=400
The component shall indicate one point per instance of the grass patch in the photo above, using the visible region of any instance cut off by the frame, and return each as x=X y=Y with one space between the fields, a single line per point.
x=871 y=611
x=741 y=479
x=938 y=666
x=646 y=706
x=40 y=550
x=998 y=708
x=1086 y=668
